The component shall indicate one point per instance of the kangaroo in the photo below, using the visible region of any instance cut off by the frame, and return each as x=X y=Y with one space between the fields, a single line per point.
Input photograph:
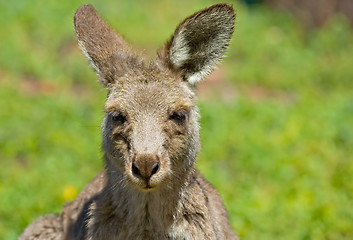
x=149 y=188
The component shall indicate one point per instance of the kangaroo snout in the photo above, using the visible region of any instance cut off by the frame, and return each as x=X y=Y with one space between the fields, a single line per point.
x=144 y=165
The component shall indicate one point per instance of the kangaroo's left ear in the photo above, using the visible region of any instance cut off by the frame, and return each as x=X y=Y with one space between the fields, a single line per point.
x=199 y=42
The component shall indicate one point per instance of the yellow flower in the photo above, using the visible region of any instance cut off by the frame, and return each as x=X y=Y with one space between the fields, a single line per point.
x=69 y=193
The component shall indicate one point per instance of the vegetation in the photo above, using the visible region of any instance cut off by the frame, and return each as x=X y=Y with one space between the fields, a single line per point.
x=277 y=118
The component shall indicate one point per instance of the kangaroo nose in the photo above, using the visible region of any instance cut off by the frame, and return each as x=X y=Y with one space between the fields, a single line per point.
x=145 y=165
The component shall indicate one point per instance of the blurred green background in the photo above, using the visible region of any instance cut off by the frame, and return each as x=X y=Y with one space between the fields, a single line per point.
x=277 y=117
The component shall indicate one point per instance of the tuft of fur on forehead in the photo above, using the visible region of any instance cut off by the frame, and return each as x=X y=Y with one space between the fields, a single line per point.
x=153 y=87
x=148 y=75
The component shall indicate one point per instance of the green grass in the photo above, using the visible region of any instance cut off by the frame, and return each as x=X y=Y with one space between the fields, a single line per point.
x=277 y=136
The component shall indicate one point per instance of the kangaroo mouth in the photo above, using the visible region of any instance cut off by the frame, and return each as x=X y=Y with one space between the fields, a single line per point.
x=148 y=186
x=143 y=184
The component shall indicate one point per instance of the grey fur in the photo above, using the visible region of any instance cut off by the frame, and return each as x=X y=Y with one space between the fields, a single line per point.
x=149 y=188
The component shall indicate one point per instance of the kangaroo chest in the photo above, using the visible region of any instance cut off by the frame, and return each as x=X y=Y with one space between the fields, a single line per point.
x=133 y=223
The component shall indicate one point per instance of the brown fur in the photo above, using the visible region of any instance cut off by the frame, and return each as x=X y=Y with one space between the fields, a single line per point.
x=149 y=188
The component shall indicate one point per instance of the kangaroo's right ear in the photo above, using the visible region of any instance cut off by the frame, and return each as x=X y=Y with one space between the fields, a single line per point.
x=109 y=54
x=199 y=43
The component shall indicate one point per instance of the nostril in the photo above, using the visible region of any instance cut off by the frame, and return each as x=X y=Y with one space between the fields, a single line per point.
x=155 y=168
x=144 y=166
x=135 y=169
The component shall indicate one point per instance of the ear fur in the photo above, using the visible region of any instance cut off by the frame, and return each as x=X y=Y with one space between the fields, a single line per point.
x=109 y=54
x=199 y=42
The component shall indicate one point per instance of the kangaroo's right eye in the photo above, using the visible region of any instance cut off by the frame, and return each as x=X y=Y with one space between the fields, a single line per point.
x=178 y=117
x=118 y=118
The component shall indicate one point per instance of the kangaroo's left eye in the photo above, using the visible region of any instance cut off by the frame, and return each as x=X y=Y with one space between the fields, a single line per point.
x=118 y=118
x=178 y=117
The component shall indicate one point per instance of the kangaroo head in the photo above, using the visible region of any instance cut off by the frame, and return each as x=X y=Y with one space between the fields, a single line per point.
x=151 y=130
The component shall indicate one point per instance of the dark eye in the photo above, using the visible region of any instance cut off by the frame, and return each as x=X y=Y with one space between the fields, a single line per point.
x=118 y=118
x=178 y=117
